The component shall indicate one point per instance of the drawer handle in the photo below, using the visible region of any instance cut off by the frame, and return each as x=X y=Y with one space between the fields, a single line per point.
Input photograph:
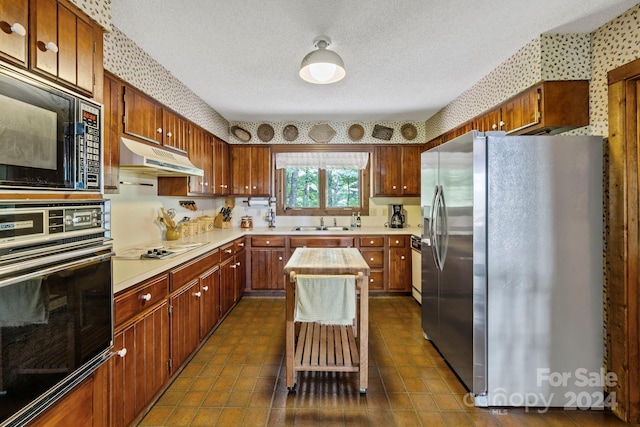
x=205 y=288
x=197 y=294
x=371 y=242
x=397 y=242
x=122 y=352
x=145 y=297
x=267 y=242
x=228 y=251
x=241 y=245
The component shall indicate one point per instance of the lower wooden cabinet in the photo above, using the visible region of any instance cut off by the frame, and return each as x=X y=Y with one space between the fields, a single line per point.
x=209 y=301
x=140 y=367
x=268 y=257
x=185 y=323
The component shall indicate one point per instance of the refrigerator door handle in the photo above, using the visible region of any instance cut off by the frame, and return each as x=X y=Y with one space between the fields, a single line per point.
x=436 y=226
x=445 y=230
x=432 y=227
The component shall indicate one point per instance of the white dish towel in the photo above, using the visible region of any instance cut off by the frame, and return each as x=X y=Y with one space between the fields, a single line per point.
x=325 y=299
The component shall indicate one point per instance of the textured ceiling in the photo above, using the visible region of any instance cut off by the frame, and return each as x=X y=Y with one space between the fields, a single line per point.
x=405 y=60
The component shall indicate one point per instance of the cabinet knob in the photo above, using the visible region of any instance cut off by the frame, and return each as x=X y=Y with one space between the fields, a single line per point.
x=205 y=288
x=238 y=264
x=397 y=242
x=241 y=245
x=394 y=187
x=267 y=242
x=146 y=297
x=206 y=184
x=371 y=242
x=169 y=134
x=254 y=187
x=279 y=258
x=502 y=123
x=494 y=126
x=246 y=187
x=404 y=187
x=18 y=29
x=122 y=352
x=371 y=259
x=228 y=251
x=197 y=294
x=51 y=47
x=159 y=130
x=233 y=266
x=370 y=280
x=402 y=257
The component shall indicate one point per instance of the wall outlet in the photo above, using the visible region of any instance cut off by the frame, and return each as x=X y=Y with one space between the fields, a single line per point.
x=384 y=211
x=373 y=211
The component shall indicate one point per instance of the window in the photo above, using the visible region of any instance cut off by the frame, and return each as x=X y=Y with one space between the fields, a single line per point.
x=322 y=183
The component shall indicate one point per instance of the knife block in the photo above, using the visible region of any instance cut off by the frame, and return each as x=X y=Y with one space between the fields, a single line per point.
x=219 y=223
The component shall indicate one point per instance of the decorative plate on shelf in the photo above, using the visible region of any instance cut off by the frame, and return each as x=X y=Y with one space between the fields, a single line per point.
x=290 y=133
x=265 y=132
x=356 y=132
x=242 y=134
x=409 y=131
x=321 y=133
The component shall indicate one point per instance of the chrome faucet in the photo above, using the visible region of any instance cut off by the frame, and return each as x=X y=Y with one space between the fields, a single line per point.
x=321 y=222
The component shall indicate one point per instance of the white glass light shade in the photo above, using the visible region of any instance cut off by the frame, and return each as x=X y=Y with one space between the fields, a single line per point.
x=322 y=66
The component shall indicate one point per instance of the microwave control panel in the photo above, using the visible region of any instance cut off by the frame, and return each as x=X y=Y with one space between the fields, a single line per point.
x=89 y=146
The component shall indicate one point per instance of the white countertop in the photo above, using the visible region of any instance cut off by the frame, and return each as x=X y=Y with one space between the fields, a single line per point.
x=128 y=272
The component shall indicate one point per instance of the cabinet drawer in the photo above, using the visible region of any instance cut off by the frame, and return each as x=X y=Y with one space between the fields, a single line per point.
x=239 y=244
x=227 y=251
x=376 y=280
x=136 y=300
x=372 y=241
x=188 y=271
x=267 y=241
x=397 y=241
x=322 y=242
x=375 y=258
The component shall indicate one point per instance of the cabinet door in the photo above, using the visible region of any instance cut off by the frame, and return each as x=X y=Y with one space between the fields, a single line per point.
x=112 y=93
x=210 y=301
x=185 y=323
x=45 y=31
x=175 y=131
x=399 y=269
x=67 y=49
x=13 y=46
x=520 y=112
x=220 y=167
x=240 y=279
x=142 y=116
x=240 y=170
x=141 y=371
x=85 y=54
x=200 y=155
x=387 y=171
x=260 y=171
x=410 y=170
x=227 y=285
x=267 y=269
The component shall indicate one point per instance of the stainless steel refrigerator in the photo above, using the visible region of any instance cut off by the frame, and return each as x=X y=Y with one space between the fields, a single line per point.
x=512 y=267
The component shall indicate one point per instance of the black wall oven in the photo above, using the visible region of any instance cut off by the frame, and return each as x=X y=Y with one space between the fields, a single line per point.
x=50 y=138
x=56 y=301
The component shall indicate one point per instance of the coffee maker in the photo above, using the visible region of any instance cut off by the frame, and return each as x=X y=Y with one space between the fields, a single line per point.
x=397 y=216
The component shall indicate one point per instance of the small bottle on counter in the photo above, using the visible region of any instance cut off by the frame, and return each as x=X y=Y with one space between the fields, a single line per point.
x=353 y=220
x=358 y=221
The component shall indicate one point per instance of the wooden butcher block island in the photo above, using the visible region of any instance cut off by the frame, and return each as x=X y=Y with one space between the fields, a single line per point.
x=318 y=346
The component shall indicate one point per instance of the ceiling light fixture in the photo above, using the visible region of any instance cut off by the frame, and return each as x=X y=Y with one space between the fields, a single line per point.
x=322 y=66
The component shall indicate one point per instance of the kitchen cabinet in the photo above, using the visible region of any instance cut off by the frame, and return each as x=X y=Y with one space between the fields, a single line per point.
x=250 y=170
x=74 y=409
x=201 y=155
x=13 y=43
x=185 y=323
x=397 y=170
x=227 y=278
x=142 y=116
x=240 y=278
x=111 y=136
x=460 y=130
x=488 y=121
x=220 y=167
x=399 y=263
x=210 y=304
x=268 y=258
x=63 y=48
x=141 y=343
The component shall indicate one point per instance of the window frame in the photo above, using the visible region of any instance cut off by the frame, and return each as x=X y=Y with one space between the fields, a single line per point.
x=365 y=183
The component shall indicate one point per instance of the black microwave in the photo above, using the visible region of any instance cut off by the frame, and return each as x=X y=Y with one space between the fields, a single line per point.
x=50 y=138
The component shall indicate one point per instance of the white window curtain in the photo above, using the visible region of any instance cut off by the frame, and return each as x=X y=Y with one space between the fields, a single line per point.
x=322 y=160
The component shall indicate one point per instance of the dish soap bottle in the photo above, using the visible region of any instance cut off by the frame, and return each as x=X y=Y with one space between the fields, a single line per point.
x=358 y=221
x=353 y=220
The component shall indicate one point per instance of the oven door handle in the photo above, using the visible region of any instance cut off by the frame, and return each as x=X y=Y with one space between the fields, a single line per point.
x=54 y=268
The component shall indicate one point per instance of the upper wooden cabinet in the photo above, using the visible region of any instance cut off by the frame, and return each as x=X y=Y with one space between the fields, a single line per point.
x=175 y=131
x=201 y=155
x=111 y=131
x=64 y=43
x=142 y=116
x=220 y=167
x=397 y=170
x=250 y=170
x=13 y=42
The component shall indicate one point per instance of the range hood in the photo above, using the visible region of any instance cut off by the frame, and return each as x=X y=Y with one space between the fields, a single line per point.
x=155 y=160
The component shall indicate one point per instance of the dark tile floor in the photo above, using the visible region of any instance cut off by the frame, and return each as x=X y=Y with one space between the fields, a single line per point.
x=237 y=379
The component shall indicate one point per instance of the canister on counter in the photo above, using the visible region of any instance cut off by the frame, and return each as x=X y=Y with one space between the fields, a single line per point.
x=246 y=222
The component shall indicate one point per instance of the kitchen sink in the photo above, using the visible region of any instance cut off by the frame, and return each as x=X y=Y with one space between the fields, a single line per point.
x=317 y=228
